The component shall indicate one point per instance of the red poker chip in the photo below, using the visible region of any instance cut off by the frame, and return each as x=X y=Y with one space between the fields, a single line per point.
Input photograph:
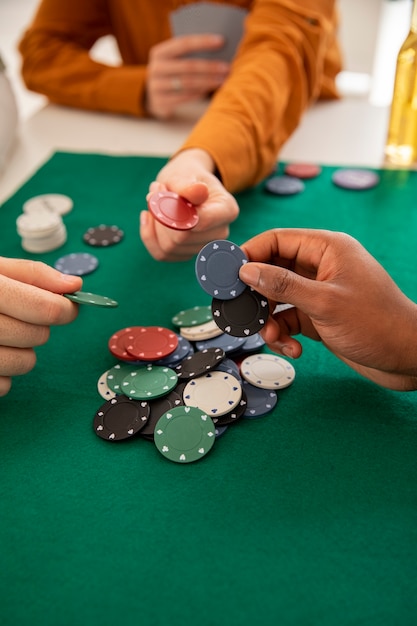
x=151 y=343
x=117 y=344
x=172 y=210
x=302 y=170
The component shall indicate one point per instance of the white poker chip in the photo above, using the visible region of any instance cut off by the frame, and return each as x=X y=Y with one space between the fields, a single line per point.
x=268 y=371
x=38 y=225
x=54 y=202
x=216 y=393
x=103 y=388
x=207 y=330
x=51 y=242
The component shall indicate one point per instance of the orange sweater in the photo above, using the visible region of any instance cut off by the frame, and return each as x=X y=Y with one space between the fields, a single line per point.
x=288 y=58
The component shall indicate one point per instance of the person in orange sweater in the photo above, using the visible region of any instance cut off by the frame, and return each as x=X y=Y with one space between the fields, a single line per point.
x=288 y=57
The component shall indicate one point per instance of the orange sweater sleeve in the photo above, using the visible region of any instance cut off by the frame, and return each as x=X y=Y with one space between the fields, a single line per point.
x=288 y=58
x=56 y=60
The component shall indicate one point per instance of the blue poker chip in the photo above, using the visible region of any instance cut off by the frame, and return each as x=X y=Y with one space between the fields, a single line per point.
x=284 y=185
x=77 y=263
x=259 y=401
x=252 y=344
x=229 y=366
x=183 y=349
x=217 y=269
x=226 y=342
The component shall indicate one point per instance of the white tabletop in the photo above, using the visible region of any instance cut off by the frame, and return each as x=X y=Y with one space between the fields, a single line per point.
x=348 y=132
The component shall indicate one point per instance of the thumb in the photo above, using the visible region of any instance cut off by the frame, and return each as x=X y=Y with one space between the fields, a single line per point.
x=280 y=284
x=196 y=192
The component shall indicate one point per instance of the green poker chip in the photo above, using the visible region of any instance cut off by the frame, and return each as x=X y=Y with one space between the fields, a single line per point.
x=193 y=317
x=152 y=381
x=118 y=373
x=184 y=434
x=85 y=297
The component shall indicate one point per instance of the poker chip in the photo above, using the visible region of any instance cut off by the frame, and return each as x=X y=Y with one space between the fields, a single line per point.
x=216 y=393
x=54 y=202
x=302 y=170
x=217 y=269
x=120 y=418
x=151 y=381
x=172 y=210
x=199 y=363
x=103 y=236
x=260 y=402
x=243 y=316
x=284 y=185
x=235 y=414
x=93 y=299
x=184 y=434
x=117 y=343
x=41 y=232
x=252 y=344
x=229 y=366
x=192 y=317
x=205 y=331
x=157 y=408
x=220 y=430
x=224 y=341
x=103 y=388
x=116 y=375
x=77 y=263
x=267 y=371
x=150 y=343
x=355 y=179
x=183 y=349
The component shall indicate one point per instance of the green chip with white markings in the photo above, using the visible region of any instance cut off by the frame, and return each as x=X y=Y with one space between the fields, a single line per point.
x=152 y=381
x=184 y=434
x=93 y=299
x=193 y=317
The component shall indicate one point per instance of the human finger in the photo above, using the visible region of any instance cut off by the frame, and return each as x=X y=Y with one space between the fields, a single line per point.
x=16 y=361
x=35 y=305
x=18 y=334
x=5 y=385
x=185 y=44
x=39 y=274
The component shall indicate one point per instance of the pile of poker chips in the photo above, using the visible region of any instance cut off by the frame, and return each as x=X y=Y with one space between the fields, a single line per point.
x=237 y=309
x=182 y=389
x=41 y=226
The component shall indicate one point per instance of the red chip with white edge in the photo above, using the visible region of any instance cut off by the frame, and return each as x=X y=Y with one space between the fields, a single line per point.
x=151 y=343
x=117 y=343
x=172 y=210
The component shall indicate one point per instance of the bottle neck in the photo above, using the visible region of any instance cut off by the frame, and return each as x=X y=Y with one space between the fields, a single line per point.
x=414 y=17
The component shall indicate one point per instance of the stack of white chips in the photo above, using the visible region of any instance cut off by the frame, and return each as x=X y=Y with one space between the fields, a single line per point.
x=41 y=225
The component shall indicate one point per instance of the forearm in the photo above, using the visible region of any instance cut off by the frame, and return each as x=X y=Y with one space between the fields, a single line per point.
x=284 y=63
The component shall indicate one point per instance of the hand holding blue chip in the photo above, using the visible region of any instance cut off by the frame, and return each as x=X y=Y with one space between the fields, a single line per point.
x=217 y=269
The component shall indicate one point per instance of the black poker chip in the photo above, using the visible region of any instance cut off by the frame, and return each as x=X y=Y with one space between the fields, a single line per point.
x=102 y=236
x=120 y=418
x=158 y=407
x=243 y=316
x=199 y=363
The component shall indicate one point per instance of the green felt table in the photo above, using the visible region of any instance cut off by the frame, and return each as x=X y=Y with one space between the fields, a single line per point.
x=306 y=516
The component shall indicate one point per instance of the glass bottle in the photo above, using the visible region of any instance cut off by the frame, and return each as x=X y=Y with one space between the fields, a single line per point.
x=401 y=145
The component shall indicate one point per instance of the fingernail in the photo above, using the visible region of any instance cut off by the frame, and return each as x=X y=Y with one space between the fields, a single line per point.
x=287 y=351
x=250 y=274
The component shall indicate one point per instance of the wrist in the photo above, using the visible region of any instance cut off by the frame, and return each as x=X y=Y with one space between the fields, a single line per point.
x=197 y=156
